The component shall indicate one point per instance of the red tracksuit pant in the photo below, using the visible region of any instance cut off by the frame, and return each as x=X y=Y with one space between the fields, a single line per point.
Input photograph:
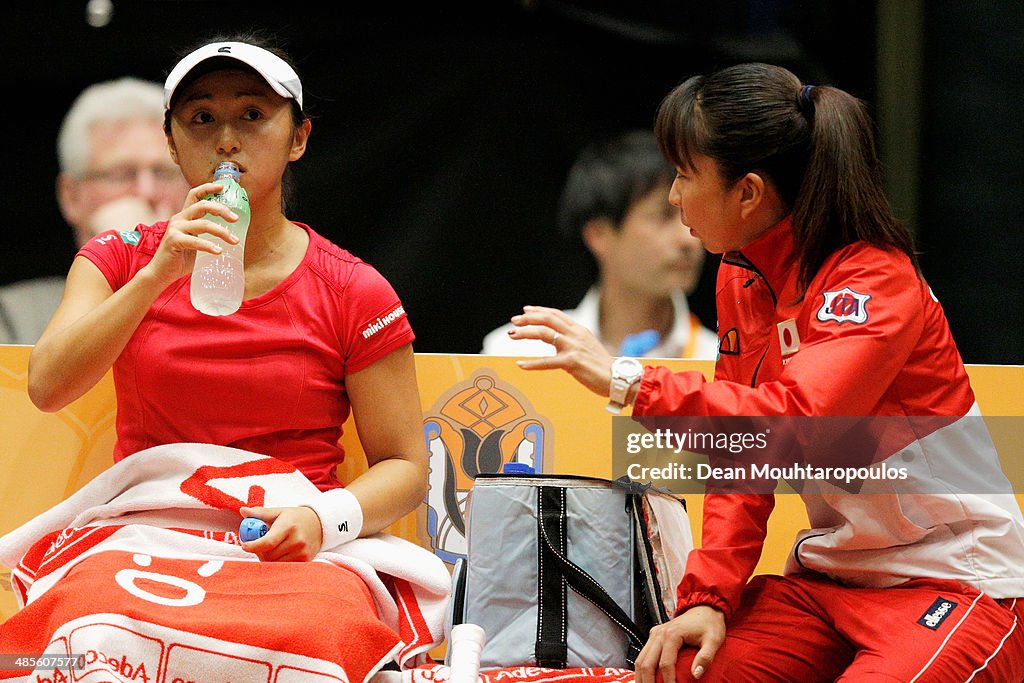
x=800 y=629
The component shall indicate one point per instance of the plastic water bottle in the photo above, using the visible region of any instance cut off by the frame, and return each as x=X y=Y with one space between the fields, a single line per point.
x=465 y=644
x=218 y=280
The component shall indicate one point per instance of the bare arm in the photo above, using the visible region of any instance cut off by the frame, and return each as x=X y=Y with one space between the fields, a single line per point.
x=85 y=335
x=386 y=406
x=93 y=324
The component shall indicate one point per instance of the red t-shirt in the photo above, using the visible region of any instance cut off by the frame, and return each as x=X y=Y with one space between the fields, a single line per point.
x=269 y=378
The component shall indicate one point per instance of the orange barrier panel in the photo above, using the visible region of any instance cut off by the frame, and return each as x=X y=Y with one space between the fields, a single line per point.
x=479 y=411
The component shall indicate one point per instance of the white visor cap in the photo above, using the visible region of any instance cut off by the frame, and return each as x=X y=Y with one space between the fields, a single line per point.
x=278 y=74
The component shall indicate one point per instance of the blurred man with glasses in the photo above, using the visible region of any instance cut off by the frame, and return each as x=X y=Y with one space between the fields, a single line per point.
x=115 y=172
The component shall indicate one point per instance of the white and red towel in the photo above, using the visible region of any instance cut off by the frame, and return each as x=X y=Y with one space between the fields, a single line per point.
x=141 y=575
x=439 y=673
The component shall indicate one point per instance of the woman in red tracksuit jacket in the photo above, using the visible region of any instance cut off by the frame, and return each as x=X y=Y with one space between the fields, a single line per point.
x=822 y=312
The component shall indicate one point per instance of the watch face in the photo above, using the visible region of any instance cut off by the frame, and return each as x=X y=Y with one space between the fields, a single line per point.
x=627 y=368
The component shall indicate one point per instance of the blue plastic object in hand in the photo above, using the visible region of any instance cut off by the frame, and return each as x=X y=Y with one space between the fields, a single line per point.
x=252 y=528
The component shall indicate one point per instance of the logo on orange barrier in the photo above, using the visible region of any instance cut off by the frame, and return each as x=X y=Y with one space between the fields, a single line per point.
x=476 y=426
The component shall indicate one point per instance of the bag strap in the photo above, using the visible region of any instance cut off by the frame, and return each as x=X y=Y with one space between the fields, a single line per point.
x=550 y=648
x=551 y=528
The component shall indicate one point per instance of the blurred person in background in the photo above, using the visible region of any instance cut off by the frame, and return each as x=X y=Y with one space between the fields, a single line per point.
x=115 y=172
x=616 y=200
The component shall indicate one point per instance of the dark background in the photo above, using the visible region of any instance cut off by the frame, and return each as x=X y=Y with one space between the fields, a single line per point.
x=443 y=132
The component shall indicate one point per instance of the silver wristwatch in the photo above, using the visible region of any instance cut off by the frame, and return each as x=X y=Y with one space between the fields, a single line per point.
x=625 y=373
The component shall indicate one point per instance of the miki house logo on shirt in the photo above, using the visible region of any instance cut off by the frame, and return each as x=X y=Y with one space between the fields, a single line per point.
x=937 y=613
x=383 y=321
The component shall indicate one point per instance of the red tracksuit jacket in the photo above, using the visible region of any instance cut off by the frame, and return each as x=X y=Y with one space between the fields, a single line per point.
x=867 y=339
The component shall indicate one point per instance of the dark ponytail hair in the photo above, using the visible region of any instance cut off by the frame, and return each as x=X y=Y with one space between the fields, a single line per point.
x=815 y=144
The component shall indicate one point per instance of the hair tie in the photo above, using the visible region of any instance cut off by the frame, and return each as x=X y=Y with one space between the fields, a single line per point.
x=805 y=99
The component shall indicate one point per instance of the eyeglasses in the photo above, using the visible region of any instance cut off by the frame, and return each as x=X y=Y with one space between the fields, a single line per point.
x=126 y=176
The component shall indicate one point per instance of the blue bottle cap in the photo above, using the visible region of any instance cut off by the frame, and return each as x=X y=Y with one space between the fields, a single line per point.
x=517 y=468
x=636 y=345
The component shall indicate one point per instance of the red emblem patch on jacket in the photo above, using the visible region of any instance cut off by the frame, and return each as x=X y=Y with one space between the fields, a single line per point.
x=844 y=305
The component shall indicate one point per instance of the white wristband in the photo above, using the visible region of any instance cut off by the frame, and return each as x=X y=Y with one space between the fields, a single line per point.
x=340 y=515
